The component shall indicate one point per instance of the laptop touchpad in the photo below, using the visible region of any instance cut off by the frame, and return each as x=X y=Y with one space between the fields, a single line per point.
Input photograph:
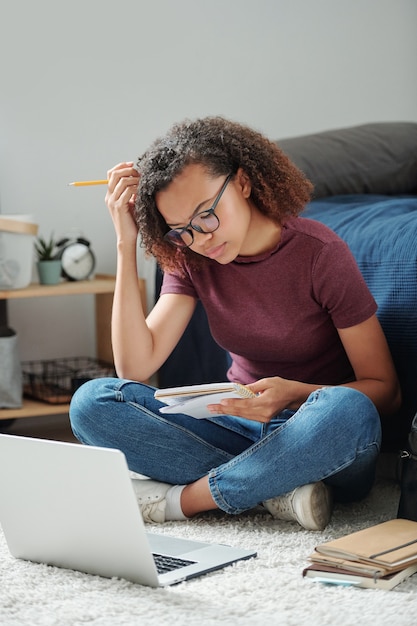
x=164 y=544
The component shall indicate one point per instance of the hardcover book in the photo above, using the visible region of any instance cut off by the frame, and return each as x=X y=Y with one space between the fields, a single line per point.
x=392 y=545
x=337 y=576
x=345 y=565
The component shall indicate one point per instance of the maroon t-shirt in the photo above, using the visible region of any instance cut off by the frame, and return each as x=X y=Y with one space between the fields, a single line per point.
x=277 y=313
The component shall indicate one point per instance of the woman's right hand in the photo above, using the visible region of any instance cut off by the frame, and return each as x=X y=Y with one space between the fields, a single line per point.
x=120 y=199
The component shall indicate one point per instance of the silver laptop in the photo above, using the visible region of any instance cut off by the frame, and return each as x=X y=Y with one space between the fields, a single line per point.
x=74 y=506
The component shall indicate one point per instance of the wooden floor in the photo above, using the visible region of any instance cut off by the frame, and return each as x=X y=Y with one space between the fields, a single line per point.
x=49 y=427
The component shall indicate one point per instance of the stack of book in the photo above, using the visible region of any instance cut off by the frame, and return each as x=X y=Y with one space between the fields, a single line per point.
x=378 y=557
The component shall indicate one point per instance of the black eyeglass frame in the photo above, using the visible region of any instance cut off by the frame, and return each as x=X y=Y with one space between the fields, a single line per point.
x=190 y=226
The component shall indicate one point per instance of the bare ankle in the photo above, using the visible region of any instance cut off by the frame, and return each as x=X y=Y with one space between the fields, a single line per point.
x=196 y=498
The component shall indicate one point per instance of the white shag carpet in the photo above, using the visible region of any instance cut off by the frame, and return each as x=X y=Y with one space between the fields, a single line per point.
x=266 y=590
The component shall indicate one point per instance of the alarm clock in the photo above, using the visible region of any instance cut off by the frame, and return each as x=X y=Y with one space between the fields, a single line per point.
x=77 y=258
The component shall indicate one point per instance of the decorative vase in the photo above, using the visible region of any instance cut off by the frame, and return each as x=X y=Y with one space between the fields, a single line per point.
x=49 y=272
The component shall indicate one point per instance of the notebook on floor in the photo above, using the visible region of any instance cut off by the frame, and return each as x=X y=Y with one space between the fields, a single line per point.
x=74 y=506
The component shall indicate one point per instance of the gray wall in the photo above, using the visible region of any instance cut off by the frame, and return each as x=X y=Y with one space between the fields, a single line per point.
x=88 y=83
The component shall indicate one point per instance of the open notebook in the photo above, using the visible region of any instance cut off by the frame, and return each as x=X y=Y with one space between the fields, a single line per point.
x=74 y=506
x=193 y=399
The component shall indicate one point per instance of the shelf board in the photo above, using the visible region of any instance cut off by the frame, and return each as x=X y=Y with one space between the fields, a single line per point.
x=102 y=283
x=34 y=408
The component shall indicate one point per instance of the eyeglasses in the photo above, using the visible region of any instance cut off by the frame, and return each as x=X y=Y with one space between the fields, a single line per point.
x=204 y=222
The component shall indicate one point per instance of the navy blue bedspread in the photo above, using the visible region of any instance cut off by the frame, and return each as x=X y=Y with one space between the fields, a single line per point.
x=381 y=232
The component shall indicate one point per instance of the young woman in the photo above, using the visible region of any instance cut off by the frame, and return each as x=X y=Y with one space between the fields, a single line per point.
x=218 y=205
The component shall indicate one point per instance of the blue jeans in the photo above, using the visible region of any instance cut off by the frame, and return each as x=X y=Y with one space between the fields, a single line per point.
x=334 y=437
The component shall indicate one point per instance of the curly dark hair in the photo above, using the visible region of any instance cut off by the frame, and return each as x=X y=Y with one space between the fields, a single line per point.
x=278 y=187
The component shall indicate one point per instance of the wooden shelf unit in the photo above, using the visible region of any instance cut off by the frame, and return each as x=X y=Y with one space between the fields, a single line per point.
x=102 y=287
x=102 y=283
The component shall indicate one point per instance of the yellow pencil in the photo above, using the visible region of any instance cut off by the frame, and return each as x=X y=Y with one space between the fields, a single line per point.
x=84 y=183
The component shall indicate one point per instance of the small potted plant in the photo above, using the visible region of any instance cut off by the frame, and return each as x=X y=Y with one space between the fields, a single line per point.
x=49 y=265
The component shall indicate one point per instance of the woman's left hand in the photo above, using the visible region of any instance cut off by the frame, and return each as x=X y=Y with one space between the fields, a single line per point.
x=273 y=396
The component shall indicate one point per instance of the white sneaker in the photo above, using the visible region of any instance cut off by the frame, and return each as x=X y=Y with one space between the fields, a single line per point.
x=309 y=505
x=151 y=499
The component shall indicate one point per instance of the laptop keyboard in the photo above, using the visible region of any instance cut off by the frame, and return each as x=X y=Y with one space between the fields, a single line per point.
x=166 y=563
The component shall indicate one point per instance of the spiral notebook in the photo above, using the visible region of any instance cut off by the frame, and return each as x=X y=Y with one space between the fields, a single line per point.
x=193 y=399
